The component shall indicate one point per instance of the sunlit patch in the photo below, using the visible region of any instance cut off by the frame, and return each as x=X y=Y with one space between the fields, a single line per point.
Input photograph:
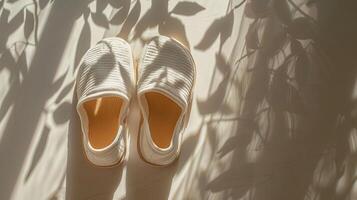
x=98 y=103
x=325 y=172
x=352 y=141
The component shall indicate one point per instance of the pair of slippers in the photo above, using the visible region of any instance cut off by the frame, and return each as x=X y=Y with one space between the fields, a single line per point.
x=106 y=83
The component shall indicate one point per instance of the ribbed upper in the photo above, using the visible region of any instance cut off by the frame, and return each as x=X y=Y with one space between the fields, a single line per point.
x=106 y=67
x=168 y=67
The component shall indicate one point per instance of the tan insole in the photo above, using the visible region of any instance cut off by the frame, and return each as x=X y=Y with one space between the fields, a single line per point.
x=163 y=116
x=103 y=120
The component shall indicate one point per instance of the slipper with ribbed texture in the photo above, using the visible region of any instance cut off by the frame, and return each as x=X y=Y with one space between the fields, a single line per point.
x=104 y=86
x=166 y=76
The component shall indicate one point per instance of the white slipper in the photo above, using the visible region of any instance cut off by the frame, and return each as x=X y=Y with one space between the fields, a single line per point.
x=166 y=78
x=105 y=84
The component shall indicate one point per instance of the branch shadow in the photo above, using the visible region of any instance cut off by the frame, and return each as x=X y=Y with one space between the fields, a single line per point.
x=295 y=136
x=28 y=96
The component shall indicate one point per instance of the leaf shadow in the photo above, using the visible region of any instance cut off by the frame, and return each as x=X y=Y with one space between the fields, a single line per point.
x=221 y=27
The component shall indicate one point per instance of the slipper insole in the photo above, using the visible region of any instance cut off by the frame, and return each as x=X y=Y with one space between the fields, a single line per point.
x=163 y=116
x=103 y=120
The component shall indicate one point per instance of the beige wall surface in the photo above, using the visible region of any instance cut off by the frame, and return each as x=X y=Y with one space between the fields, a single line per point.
x=273 y=115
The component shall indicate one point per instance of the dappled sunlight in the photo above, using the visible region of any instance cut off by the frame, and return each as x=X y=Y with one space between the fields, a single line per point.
x=274 y=108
